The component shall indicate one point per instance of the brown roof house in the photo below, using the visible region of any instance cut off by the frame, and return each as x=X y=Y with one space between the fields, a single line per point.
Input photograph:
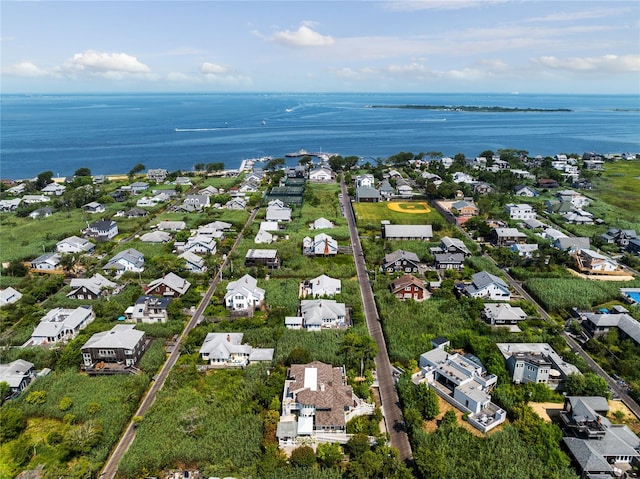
x=317 y=400
x=409 y=287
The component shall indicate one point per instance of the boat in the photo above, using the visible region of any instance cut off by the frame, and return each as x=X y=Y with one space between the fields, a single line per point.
x=264 y=122
x=300 y=152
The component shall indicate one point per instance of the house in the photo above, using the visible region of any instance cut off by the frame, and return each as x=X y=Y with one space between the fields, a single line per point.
x=406 y=232
x=9 y=296
x=193 y=262
x=236 y=204
x=93 y=208
x=209 y=191
x=525 y=250
x=571 y=244
x=60 y=324
x=533 y=224
x=128 y=260
x=502 y=314
x=262 y=257
x=321 y=286
x=278 y=211
x=321 y=224
x=321 y=245
x=90 y=288
x=506 y=236
x=17 y=189
x=367 y=194
x=102 y=230
x=32 y=199
x=386 y=190
x=526 y=191
x=404 y=191
x=244 y=294
x=461 y=177
x=577 y=200
x=248 y=187
x=321 y=175
x=18 y=375
x=592 y=262
x=317 y=400
x=167 y=225
x=7 y=206
x=116 y=350
x=149 y=310
x=409 y=287
x=53 y=189
x=320 y=314
x=74 y=244
x=522 y=211
x=547 y=183
x=263 y=237
x=183 y=181
x=365 y=179
x=41 y=213
x=401 y=261
x=578 y=217
x=451 y=245
x=199 y=202
x=599 y=448
x=269 y=225
x=138 y=187
x=464 y=208
x=136 y=213
x=227 y=350
x=157 y=174
x=599 y=324
x=453 y=261
x=463 y=382
x=536 y=363
x=147 y=202
x=156 y=237
x=199 y=243
x=486 y=285
x=634 y=247
x=169 y=285
x=619 y=237
x=46 y=263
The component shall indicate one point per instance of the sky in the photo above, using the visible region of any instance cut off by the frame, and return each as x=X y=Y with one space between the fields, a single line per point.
x=542 y=46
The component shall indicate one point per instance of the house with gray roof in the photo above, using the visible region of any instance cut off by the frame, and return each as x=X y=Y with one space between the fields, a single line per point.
x=244 y=294
x=227 y=350
x=193 y=262
x=156 y=237
x=199 y=202
x=536 y=363
x=619 y=236
x=171 y=225
x=502 y=314
x=9 y=296
x=599 y=448
x=386 y=190
x=60 y=324
x=318 y=314
x=406 y=232
x=599 y=324
x=90 y=288
x=74 y=244
x=400 y=261
x=506 y=236
x=102 y=230
x=451 y=245
x=46 y=263
x=169 y=285
x=128 y=260
x=367 y=194
x=486 y=285
x=278 y=211
x=41 y=213
x=18 y=375
x=116 y=350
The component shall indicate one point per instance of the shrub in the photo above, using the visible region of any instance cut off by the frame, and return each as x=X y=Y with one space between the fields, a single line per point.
x=65 y=403
x=12 y=423
x=36 y=397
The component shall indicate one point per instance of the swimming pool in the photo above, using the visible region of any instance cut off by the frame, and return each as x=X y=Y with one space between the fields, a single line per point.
x=634 y=295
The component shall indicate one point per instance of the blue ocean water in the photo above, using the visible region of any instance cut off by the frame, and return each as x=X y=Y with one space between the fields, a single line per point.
x=109 y=133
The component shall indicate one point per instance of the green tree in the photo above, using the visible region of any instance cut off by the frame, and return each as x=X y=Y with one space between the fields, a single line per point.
x=84 y=171
x=12 y=423
x=135 y=170
x=43 y=179
x=329 y=454
x=5 y=390
x=427 y=399
x=199 y=167
x=217 y=166
x=357 y=445
x=274 y=164
x=82 y=438
x=303 y=456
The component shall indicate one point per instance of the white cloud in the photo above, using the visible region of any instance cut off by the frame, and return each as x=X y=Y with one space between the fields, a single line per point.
x=603 y=64
x=213 y=69
x=111 y=65
x=25 y=69
x=302 y=37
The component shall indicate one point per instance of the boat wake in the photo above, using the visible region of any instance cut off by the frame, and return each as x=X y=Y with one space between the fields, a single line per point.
x=182 y=130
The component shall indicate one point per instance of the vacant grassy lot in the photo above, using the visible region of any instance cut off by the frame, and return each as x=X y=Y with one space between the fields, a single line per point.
x=619 y=185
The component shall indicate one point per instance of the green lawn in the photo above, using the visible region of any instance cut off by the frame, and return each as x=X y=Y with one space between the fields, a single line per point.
x=372 y=213
x=619 y=185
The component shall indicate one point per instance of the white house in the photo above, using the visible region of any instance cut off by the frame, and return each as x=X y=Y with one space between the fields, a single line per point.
x=18 y=375
x=320 y=314
x=94 y=207
x=194 y=263
x=148 y=310
x=321 y=224
x=46 y=263
x=486 y=285
x=526 y=191
x=244 y=294
x=321 y=175
x=320 y=286
x=321 y=245
x=227 y=350
x=278 y=211
x=171 y=225
x=128 y=260
x=74 y=244
x=520 y=211
x=263 y=237
x=202 y=244
x=60 y=324
x=9 y=296
x=102 y=230
x=53 y=189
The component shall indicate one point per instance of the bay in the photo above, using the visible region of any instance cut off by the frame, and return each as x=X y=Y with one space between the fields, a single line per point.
x=109 y=133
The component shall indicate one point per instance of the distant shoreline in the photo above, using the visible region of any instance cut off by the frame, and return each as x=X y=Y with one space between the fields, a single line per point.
x=481 y=109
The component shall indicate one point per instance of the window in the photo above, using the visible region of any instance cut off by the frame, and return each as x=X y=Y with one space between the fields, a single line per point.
x=106 y=352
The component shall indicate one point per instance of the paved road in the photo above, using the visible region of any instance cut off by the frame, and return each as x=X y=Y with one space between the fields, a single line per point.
x=388 y=394
x=111 y=466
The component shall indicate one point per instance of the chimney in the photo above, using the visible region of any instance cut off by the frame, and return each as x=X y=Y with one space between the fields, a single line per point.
x=228 y=338
x=321 y=387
